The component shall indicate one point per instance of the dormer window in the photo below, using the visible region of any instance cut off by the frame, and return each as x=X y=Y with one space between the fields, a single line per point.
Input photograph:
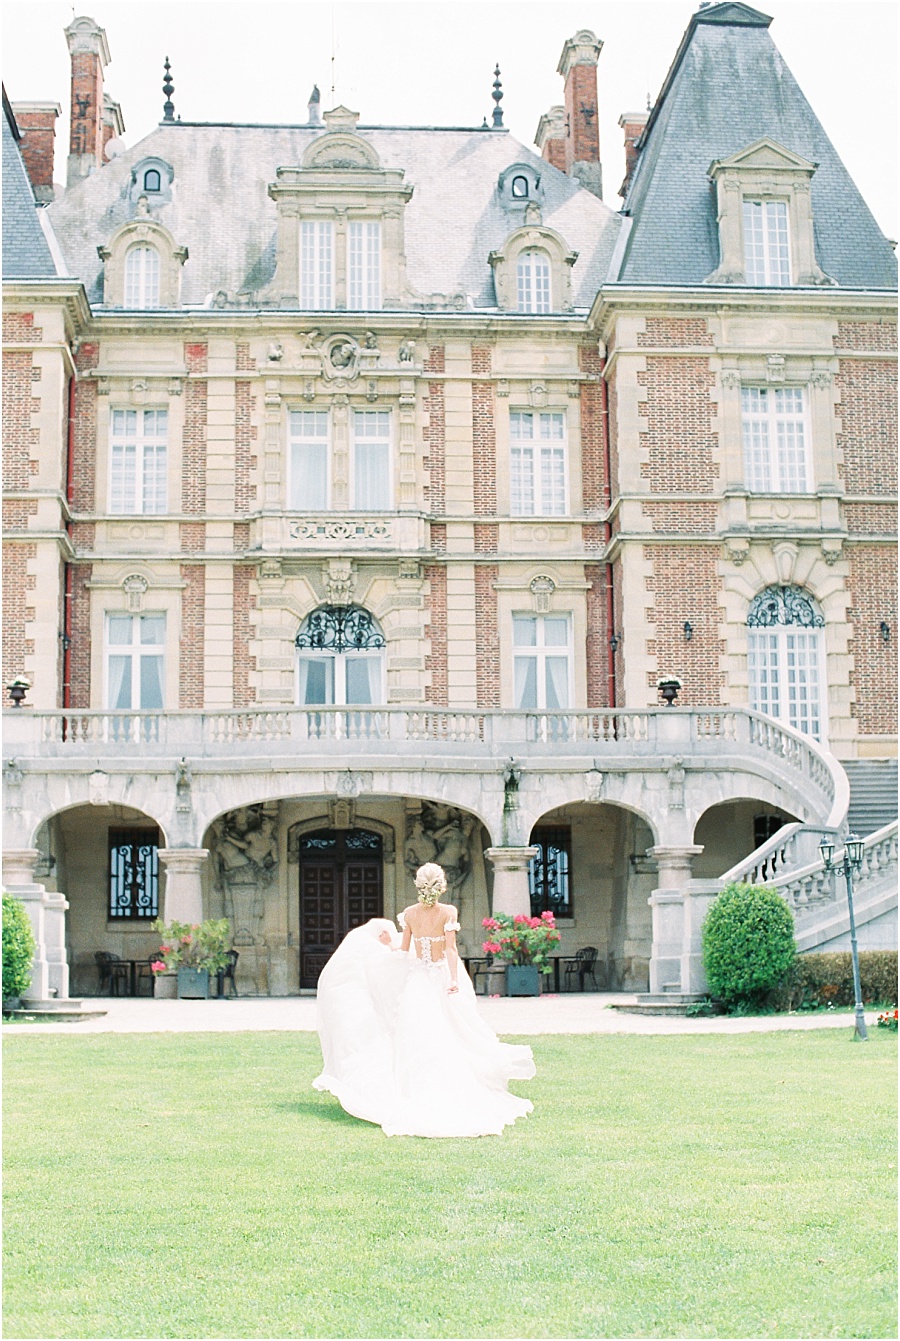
x=533 y=281
x=767 y=247
x=519 y=188
x=152 y=180
x=142 y=277
x=364 y=267
x=317 y=265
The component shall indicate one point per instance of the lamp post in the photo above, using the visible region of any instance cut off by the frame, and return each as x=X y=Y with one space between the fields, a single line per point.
x=852 y=861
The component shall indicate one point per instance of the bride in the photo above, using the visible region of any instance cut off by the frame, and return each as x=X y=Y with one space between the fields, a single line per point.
x=402 y=1041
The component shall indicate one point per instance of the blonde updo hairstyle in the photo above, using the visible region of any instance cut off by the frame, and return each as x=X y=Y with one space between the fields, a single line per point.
x=431 y=884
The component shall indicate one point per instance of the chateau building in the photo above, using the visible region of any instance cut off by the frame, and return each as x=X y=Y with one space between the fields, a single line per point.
x=370 y=491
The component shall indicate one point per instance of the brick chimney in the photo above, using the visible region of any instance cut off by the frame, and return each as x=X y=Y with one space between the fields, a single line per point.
x=90 y=55
x=632 y=124
x=37 y=123
x=551 y=137
x=113 y=124
x=578 y=67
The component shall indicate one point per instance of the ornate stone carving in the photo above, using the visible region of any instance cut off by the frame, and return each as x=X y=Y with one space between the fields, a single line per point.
x=442 y=834
x=730 y=379
x=183 y=781
x=832 y=549
x=350 y=785
x=339 y=580
x=542 y=588
x=676 y=776
x=98 y=788
x=245 y=856
x=593 y=785
x=135 y=588
x=340 y=529
x=737 y=550
x=775 y=368
x=821 y=378
x=407 y=351
x=342 y=813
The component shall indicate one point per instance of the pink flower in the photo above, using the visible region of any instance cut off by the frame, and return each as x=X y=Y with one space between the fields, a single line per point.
x=158 y=966
x=520 y=918
x=548 y=917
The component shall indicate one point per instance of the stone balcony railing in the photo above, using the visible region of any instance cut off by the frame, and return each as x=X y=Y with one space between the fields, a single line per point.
x=644 y=738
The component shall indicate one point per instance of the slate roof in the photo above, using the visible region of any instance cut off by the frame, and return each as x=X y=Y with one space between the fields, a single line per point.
x=221 y=211
x=729 y=87
x=26 y=252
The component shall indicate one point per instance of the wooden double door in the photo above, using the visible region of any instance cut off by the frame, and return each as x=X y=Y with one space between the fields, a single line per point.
x=341 y=886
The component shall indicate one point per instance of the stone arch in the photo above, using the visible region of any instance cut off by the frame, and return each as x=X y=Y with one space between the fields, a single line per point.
x=728 y=831
x=534 y=237
x=142 y=231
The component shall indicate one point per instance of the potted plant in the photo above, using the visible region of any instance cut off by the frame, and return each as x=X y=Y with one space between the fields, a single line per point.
x=525 y=944
x=194 y=951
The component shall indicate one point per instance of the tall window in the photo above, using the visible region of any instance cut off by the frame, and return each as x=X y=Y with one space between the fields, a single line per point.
x=533 y=281
x=317 y=264
x=309 y=459
x=784 y=658
x=537 y=463
x=774 y=425
x=364 y=267
x=541 y=662
x=142 y=277
x=767 y=252
x=134 y=662
x=372 y=460
x=137 y=474
x=341 y=657
x=133 y=874
x=549 y=871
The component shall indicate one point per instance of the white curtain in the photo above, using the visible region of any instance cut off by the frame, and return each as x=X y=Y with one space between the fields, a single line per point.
x=371 y=477
x=151 y=682
x=316 y=680
x=526 y=683
x=119 y=683
x=557 y=683
x=309 y=476
x=364 y=679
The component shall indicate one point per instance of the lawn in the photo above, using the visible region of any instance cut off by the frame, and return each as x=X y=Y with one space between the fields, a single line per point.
x=705 y=1186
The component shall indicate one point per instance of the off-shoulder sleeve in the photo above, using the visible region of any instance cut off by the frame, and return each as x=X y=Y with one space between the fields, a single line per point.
x=451 y=926
x=401 y=919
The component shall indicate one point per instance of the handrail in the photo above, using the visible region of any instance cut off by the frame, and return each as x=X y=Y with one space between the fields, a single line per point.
x=812 y=884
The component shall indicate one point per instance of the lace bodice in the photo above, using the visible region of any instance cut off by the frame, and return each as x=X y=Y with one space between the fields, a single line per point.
x=423 y=944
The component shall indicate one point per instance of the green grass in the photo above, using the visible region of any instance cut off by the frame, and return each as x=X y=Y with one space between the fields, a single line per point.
x=703 y=1186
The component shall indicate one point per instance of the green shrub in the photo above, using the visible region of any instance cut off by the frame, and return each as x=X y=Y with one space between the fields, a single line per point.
x=18 y=948
x=748 y=945
x=818 y=980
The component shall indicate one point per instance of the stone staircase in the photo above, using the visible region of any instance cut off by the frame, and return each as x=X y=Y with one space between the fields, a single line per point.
x=873 y=794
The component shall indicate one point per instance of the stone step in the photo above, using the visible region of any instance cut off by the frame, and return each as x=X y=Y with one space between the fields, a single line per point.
x=873 y=794
x=71 y=1008
x=659 y=1003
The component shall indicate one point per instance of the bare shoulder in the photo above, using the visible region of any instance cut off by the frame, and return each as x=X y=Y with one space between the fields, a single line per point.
x=450 y=911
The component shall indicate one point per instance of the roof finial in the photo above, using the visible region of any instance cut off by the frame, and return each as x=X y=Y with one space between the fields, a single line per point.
x=314 y=118
x=168 y=90
x=497 y=96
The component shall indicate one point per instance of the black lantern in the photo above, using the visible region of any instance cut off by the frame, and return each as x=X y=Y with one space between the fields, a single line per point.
x=852 y=861
x=18 y=688
x=885 y=628
x=688 y=631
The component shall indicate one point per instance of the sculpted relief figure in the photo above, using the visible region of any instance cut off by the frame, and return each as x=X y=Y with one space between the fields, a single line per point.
x=246 y=854
x=440 y=834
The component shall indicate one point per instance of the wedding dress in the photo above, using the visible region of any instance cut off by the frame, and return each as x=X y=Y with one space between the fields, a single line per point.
x=399 y=1050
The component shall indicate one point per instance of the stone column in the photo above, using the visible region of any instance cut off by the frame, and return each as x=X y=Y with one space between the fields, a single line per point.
x=512 y=893
x=47 y=914
x=184 y=887
x=667 y=903
x=697 y=898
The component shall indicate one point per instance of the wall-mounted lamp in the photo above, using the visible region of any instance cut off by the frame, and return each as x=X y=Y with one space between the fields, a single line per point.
x=614 y=642
x=885 y=630
x=688 y=631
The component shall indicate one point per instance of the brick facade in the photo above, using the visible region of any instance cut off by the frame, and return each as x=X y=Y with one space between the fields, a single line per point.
x=868 y=414
x=17 y=614
x=436 y=663
x=871 y=518
x=244 y=433
x=594 y=483
x=84 y=432
x=487 y=644
x=191 y=642
x=871 y=336
x=434 y=434
x=694 y=518
x=18 y=445
x=244 y=663
x=685 y=585
x=80 y=650
x=679 y=440
x=597 y=641
x=86 y=119
x=193 y=463
x=484 y=450
x=582 y=142
x=486 y=538
x=873 y=601
x=674 y=333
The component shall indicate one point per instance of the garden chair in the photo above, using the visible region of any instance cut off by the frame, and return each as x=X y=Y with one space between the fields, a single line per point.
x=145 y=971
x=226 y=974
x=581 y=967
x=112 y=971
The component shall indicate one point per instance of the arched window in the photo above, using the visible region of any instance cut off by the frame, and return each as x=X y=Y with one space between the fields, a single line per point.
x=784 y=657
x=533 y=278
x=152 y=180
x=520 y=188
x=340 y=657
x=142 y=277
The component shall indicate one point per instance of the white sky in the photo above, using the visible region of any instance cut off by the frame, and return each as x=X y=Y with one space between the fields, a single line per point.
x=430 y=62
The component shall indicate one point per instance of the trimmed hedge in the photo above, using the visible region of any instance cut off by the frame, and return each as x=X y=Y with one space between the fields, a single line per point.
x=18 y=948
x=748 y=944
x=827 y=980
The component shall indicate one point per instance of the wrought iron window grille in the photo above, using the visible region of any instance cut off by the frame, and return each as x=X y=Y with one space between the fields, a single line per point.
x=340 y=628
x=784 y=606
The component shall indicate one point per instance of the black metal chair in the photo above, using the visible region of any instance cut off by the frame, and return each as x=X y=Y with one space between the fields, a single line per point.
x=581 y=967
x=226 y=974
x=112 y=971
x=144 y=970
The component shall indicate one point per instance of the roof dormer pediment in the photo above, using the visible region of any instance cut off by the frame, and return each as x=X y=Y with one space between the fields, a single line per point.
x=766 y=155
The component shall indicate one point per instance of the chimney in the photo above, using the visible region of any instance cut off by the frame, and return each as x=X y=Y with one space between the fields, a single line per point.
x=90 y=54
x=578 y=67
x=551 y=137
x=37 y=123
x=632 y=124
x=113 y=125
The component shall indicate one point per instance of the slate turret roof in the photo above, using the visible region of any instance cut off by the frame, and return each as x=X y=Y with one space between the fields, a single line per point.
x=26 y=249
x=729 y=87
x=220 y=209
